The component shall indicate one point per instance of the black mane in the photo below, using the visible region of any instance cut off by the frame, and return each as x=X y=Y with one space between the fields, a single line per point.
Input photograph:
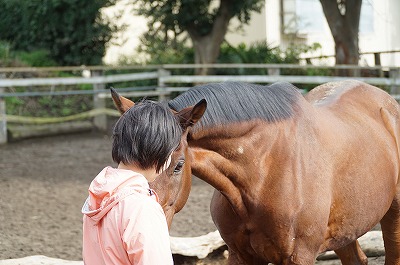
x=234 y=101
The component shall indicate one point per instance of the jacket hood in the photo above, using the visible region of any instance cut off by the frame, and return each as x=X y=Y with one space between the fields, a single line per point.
x=109 y=187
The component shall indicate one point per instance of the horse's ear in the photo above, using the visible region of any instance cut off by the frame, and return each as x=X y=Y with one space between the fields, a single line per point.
x=190 y=115
x=121 y=103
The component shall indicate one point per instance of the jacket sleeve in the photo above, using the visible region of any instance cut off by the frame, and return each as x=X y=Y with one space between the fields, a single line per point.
x=146 y=236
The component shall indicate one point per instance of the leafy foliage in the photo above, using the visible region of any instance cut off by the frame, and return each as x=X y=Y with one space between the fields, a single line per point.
x=49 y=106
x=262 y=53
x=199 y=15
x=37 y=58
x=71 y=31
x=4 y=51
x=205 y=22
x=258 y=52
x=160 y=52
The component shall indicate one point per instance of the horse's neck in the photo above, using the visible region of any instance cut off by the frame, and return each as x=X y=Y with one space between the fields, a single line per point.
x=218 y=172
x=223 y=158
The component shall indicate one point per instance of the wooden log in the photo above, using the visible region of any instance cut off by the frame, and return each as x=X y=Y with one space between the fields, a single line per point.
x=199 y=246
x=39 y=260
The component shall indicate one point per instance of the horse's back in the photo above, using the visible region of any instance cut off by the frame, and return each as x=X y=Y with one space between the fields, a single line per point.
x=338 y=94
x=358 y=106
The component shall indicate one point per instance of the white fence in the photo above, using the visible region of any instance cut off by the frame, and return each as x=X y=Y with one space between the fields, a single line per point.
x=166 y=84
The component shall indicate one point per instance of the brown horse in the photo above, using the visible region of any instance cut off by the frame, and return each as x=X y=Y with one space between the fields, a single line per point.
x=294 y=176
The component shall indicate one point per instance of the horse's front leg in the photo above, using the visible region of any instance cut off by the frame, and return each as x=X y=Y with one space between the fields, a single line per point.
x=297 y=260
x=304 y=253
x=235 y=259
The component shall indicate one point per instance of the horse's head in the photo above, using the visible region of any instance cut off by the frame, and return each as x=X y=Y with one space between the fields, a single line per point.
x=174 y=184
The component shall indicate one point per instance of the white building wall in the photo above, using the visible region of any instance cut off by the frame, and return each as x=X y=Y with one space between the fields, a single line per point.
x=253 y=32
x=273 y=27
x=126 y=42
x=386 y=35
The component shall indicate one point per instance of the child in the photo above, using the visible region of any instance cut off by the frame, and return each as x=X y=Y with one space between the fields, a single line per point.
x=123 y=223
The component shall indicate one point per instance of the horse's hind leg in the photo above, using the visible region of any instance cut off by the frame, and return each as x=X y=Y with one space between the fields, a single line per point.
x=390 y=224
x=352 y=254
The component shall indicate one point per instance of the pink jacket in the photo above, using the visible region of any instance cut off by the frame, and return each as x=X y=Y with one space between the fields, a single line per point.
x=123 y=223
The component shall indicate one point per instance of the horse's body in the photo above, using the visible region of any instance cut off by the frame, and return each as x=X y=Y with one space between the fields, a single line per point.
x=295 y=176
x=315 y=179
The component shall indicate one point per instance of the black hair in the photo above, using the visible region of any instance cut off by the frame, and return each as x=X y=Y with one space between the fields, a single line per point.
x=145 y=135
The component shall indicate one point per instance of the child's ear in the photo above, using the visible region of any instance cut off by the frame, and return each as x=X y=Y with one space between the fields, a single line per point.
x=121 y=103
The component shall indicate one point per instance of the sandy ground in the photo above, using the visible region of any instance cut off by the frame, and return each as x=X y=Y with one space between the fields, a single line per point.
x=43 y=184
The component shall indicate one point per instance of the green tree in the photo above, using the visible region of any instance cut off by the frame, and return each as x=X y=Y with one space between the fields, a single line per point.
x=72 y=31
x=205 y=23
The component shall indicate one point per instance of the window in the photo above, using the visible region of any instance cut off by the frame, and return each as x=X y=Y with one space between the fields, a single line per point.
x=310 y=16
x=307 y=16
x=367 y=17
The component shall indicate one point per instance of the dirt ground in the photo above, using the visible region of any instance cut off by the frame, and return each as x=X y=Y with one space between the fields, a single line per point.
x=43 y=184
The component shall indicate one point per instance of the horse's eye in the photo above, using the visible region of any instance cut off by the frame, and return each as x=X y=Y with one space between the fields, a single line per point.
x=179 y=166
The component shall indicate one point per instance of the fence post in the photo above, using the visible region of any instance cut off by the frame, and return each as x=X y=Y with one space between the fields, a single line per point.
x=161 y=85
x=394 y=74
x=3 y=121
x=100 y=121
x=274 y=71
x=377 y=59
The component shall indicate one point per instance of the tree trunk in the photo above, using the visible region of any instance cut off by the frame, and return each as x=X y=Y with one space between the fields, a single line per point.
x=344 y=19
x=205 y=52
x=207 y=47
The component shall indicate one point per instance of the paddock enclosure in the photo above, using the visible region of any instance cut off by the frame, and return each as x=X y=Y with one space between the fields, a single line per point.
x=44 y=181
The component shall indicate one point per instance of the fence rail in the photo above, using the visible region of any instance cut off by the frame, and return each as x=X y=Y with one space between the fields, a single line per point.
x=166 y=84
x=25 y=82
